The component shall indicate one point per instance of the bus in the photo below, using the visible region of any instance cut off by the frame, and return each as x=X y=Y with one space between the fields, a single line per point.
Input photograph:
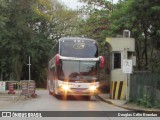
x=73 y=67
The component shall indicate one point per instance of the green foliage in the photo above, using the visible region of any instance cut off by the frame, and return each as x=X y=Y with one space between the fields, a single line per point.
x=140 y=17
x=95 y=23
x=145 y=101
x=30 y=28
x=157 y=103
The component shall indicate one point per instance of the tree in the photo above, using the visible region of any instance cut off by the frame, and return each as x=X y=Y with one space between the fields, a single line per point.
x=140 y=18
x=3 y=33
x=29 y=28
x=96 y=23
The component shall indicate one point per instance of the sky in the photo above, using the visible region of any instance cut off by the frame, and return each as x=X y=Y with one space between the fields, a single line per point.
x=74 y=4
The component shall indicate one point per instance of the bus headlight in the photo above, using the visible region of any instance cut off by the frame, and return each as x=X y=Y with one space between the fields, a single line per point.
x=65 y=87
x=92 y=88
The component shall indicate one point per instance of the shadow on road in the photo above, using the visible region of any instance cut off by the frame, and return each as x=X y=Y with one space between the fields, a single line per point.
x=75 y=98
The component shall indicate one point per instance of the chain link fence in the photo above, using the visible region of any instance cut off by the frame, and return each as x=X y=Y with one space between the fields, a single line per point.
x=145 y=88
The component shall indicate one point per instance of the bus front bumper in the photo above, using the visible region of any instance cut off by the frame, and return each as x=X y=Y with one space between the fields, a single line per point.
x=75 y=91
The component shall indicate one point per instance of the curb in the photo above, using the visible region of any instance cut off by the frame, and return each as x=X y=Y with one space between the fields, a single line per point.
x=126 y=107
x=107 y=101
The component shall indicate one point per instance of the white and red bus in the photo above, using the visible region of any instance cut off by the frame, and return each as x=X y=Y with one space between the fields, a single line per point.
x=73 y=67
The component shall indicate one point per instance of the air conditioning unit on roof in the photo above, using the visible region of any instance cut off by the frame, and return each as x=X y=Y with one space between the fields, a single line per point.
x=126 y=34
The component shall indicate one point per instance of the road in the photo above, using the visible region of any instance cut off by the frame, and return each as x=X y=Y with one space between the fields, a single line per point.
x=46 y=102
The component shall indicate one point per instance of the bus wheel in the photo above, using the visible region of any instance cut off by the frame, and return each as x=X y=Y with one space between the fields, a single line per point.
x=50 y=93
x=58 y=96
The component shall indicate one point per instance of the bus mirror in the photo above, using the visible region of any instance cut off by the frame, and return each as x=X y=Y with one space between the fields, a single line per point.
x=57 y=60
x=102 y=61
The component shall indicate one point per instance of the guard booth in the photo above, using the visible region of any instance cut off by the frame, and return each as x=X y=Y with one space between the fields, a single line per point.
x=117 y=50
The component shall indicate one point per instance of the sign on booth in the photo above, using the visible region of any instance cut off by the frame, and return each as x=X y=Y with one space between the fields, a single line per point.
x=127 y=66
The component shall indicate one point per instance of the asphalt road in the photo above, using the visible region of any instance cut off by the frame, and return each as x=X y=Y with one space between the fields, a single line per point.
x=46 y=102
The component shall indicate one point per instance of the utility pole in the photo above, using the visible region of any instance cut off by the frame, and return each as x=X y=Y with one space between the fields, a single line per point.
x=112 y=5
x=29 y=68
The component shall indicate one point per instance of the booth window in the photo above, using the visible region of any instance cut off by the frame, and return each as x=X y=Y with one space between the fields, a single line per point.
x=117 y=60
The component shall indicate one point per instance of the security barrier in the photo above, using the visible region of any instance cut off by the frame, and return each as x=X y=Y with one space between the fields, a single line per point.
x=15 y=89
x=31 y=88
x=28 y=88
x=9 y=89
x=24 y=87
x=118 y=90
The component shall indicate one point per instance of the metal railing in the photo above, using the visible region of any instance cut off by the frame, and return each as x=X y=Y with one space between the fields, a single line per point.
x=145 y=86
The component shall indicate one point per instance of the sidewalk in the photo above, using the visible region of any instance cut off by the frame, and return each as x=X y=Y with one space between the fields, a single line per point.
x=125 y=104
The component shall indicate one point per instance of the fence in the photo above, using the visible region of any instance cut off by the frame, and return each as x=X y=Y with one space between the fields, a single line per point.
x=14 y=89
x=9 y=89
x=28 y=88
x=145 y=87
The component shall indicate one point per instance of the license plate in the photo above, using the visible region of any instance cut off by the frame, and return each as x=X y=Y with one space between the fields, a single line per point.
x=79 y=92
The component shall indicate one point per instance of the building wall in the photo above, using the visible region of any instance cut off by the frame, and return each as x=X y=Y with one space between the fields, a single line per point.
x=118 y=44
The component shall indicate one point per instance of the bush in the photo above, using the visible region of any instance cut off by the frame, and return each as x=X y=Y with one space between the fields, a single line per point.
x=145 y=101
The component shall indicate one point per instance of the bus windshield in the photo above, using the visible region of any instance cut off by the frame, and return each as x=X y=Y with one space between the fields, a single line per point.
x=78 y=70
x=80 y=49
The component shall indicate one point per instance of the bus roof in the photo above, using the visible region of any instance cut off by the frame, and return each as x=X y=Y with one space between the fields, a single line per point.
x=76 y=38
